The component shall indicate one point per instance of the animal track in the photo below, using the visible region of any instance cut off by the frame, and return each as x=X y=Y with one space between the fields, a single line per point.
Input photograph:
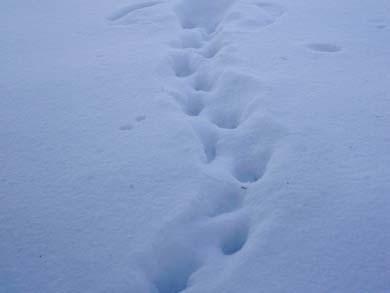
x=234 y=229
x=130 y=126
x=174 y=258
x=231 y=97
x=213 y=48
x=191 y=103
x=180 y=252
x=124 y=11
x=249 y=151
x=220 y=198
x=183 y=64
x=175 y=272
x=209 y=138
x=227 y=119
x=324 y=47
x=203 y=82
x=140 y=118
x=126 y=127
x=379 y=23
x=194 y=105
x=381 y=26
x=236 y=145
x=252 y=167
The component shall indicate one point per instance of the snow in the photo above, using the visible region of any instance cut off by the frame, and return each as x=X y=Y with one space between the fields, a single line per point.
x=195 y=146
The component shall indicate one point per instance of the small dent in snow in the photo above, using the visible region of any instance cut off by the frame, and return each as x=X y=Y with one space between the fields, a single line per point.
x=140 y=118
x=324 y=47
x=130 y=126
x=381 y=26
x=126 y=127
x=379 y=23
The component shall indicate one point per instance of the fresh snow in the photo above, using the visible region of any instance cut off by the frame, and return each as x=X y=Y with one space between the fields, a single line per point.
x=196 y=146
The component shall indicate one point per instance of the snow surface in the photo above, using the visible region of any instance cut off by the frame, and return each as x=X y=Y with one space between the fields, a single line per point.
x=195 y=146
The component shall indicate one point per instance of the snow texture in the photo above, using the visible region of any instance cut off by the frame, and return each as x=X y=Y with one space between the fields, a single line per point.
x=195 y=146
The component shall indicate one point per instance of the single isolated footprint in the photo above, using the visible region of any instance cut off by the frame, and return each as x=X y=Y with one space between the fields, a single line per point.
x=140 y=118
x=323 y=47
x=126 y=127
x=378 y=23
x=381 y=26
x=130 y=126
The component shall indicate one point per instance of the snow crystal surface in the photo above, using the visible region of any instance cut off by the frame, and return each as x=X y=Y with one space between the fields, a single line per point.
x=199 y=146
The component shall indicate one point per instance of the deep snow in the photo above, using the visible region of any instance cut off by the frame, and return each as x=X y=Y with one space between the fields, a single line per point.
x=195 y=146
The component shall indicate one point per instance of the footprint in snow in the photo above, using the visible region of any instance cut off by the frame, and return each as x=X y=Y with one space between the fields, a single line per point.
x=378 y=23
x=126 y=127
x=130 y=126
x=323 y=47
x=140 y=118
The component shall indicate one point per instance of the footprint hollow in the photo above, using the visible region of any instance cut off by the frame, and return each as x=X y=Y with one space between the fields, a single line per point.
x=126 y=127
x=324 y=47
x=175 y=272
x=140 y=118
x=223 y=198
x=209 y=139
x=251 y=168
x=235 y=237
x=225 y=120
x=203 y=82
x=183 y=64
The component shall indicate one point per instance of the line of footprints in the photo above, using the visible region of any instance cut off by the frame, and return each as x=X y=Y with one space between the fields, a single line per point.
x=237 y=138
x=237 y=141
